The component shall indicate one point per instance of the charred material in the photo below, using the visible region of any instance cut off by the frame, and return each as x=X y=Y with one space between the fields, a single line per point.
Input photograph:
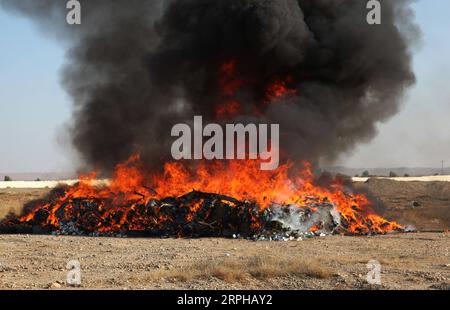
x=196 y=214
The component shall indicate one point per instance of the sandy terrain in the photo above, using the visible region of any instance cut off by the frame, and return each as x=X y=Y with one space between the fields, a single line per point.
x=409 y=261
x=434 y=178
x=425 y=205
x=12 y=200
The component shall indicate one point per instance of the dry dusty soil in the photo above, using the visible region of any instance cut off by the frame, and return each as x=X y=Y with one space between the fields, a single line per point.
x=408 y=261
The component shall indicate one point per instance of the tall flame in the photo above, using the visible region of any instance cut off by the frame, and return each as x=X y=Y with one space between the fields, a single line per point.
x=240 y=179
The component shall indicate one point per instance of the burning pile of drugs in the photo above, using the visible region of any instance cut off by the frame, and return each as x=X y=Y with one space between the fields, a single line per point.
x=309 y=65
x=285 y=209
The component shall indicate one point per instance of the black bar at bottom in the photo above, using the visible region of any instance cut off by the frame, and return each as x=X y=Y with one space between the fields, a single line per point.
x=213 y=299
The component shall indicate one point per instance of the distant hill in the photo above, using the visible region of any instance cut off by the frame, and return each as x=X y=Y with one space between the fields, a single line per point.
x=414 y=171
x=50 y=176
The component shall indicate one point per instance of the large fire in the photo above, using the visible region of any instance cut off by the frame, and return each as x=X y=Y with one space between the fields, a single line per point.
x=134 y=200
x=208 y=198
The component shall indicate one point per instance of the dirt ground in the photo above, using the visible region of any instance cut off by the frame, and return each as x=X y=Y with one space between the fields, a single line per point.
x=431 y=211
x=13 y=199
x=408 y=261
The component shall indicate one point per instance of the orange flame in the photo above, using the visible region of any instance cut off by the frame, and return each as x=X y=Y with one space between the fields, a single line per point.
x=240 y=179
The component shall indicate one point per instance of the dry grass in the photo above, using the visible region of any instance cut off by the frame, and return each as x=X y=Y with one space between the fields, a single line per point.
x=269 y=267
x=233 y=270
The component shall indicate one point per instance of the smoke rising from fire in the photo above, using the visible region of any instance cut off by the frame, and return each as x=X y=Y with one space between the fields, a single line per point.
x=136 y=68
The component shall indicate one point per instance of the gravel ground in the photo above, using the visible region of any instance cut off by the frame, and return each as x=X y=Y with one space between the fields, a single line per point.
x=409 y=261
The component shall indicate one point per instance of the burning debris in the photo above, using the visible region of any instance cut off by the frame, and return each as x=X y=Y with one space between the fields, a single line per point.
x=128 y=207
x=136 y=68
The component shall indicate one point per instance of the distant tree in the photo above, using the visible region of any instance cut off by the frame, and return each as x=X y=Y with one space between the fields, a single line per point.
x=7 y=178
x=366 y=174
x=392 y=174
x=37 y=180
x=356 y=175
x=406 y=175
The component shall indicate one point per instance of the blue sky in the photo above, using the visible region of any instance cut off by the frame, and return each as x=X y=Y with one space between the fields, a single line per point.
x=34 y=107
x=420 y=134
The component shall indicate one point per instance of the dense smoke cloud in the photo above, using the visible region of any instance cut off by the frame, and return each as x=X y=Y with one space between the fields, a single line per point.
x=136 y=68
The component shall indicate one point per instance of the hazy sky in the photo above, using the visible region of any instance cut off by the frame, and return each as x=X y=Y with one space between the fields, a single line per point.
x=34 y=107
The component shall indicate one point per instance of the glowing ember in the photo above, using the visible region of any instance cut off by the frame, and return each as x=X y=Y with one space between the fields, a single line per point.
x=228 y=110
x=229 y=83
x=279 y=89
x=236 y=197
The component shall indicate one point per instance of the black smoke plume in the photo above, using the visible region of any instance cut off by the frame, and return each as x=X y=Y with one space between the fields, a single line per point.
x=135 y=68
